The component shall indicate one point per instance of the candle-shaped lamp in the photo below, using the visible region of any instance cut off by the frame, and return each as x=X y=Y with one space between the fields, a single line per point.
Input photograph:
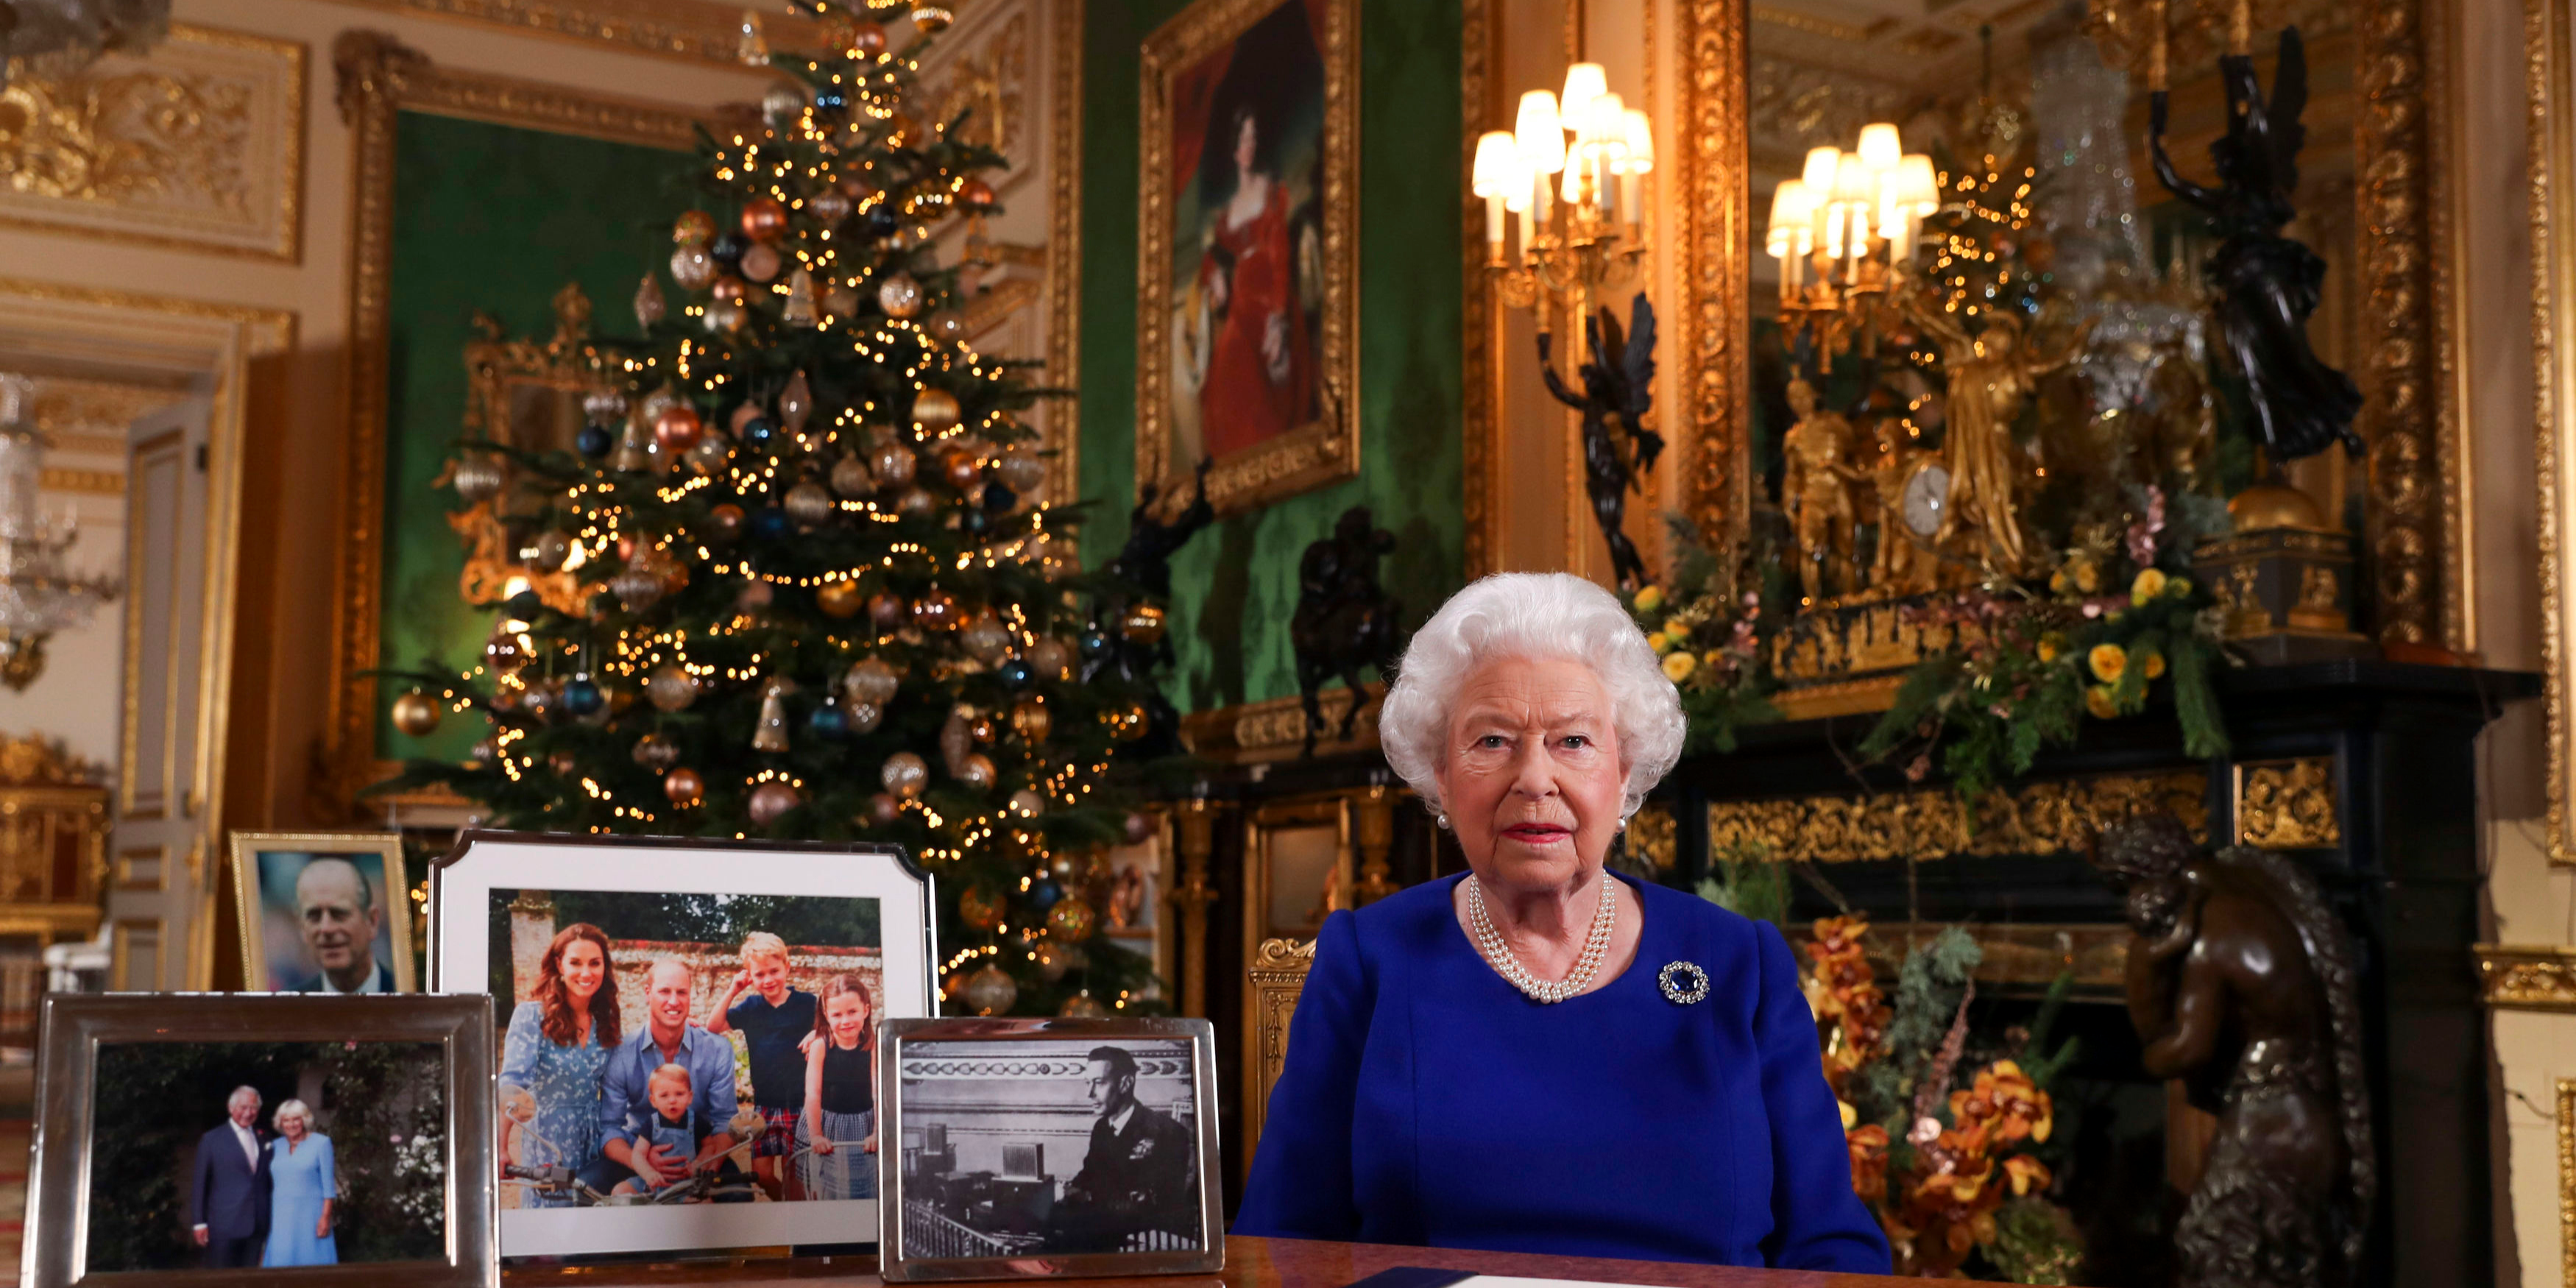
x=1789 y=238
x=1605 y=144
x=1640 y=163
x=1918 y=193
x=1540 y=138
x=1584 y=82
x=1497 y=165
x=1880 y=147
x=1855 y=192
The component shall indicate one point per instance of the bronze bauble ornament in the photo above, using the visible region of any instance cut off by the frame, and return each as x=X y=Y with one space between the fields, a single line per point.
x=980 y=908
x=671 y=687
x=1026 y=803
x=763 y=218
x=657 y=751
x=693 y=268
x=948 y=326
x=961 y=470
x=870 y=680
x=1030 y=720
x=684 y=787
x=761 y=264
x=989 y=991
x=975 y=195
x=1138 y=828
x=839 y=598
x=1050 y=658
x=678 y=428
x=916 y=503
x=884 y=809
x=724 y=523
x=864 y=717
x=899 y=295
x=693 y=228
x=935 y=610
x=769 y=800
x=479 y=478
x=1053 y=960
x=977 y=771
x=1070 y=920
x=1082 y=1006
x=550 y=551
x=729 y=287
x=867 y=40
x=638 y=589
x=840 y=301
x=710 y=454
x=808 y=504
x=934 y=411
x=1143 y=624
x=831 y=205
x=1020 y=471
x=904 y=774
x=982 y=729
x=851 y=479
x=887 y=610
x=504 y=653
x=416 y=714
x=986 y=640
x=724 y=316
x=892 y=464
x=562 y=762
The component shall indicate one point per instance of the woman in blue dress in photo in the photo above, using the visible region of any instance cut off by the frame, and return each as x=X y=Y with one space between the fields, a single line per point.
x=553 y=1057
x=303 y=1188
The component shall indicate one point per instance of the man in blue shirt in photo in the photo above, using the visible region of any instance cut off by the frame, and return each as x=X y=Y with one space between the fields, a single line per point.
x=626 y=1095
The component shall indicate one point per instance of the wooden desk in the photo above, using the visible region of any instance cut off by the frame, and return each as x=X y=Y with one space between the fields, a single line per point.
x=1249 y=1263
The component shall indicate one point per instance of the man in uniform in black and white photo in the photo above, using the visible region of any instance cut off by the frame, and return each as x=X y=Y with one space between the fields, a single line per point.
x=1140 y=1172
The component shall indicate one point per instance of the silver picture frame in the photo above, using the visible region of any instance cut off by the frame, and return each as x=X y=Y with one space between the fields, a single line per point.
x=71 y=1030
x=902 y=1257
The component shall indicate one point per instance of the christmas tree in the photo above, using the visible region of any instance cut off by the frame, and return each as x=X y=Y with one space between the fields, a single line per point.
x=791 y=583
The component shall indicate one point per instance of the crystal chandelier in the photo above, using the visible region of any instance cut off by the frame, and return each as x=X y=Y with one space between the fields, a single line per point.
x=1854 y=218
x=1572 y=196
x=37 y=596
x=51 y=39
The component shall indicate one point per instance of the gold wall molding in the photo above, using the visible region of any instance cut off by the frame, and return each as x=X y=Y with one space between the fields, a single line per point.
x=1275 y=728
x=1480 y=332
x=1063 y=425
x=1273 y=983
x=378 y=78
x=1712 y=319
x=2526 y=977
x=198 y=146
x=2287 y=804
x=2566 y=1175
x=1932 y=822
x=698 y=31
x=2550 y=85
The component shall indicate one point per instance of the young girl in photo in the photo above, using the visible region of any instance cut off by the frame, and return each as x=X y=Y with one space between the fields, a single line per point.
x=840 y=1090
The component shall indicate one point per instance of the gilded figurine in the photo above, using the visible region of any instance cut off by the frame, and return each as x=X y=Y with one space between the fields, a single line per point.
x=1991 y=378
x=1618 y=384
x=1344 y=620
x=1900 y=566
x=1816 y=489
x=2241 y=984
x=2266 y=284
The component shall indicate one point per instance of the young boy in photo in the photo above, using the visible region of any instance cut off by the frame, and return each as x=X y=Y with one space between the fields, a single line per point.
x=774 y=1020
x=676 y=1126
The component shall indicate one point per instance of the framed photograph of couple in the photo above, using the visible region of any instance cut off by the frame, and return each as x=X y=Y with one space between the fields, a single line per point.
x=1248 y=251
x=262 y=1139
x=1020 y=1148
x=323 y=912
x=686 y=1031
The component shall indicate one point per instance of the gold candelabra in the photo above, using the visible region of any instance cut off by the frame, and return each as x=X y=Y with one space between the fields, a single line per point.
x=1853 y=218
x=1571 y=170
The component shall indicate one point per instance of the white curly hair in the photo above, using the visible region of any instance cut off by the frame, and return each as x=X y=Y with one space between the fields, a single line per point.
x=1526 y=614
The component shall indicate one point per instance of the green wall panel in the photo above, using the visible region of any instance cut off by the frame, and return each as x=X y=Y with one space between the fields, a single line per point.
x=1236 y=585
x=493 y=218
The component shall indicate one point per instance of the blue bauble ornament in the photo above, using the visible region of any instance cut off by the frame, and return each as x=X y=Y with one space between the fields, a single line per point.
x=524 y=606
x=757 y=431
x=999 y=499
x=880 y=222
x=593 y=441
x=581 y=697
x=1015 y=673
x=769 y=523
x=829 y=721
x=974 y=522
x=1093 y=643
x=1045 y=893
x=728 y=249
x=830 y=98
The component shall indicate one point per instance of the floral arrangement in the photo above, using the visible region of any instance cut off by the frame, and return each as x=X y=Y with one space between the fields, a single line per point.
x=1712 y=638
x=1952 y=1171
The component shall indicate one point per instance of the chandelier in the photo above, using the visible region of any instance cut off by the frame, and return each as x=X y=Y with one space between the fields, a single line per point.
x=37 y=596
x=51 y=39
x=1854 y=219
x=1570 y=168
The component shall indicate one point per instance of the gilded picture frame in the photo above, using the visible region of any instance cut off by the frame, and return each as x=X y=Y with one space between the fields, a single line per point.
x=1262 y=378
x=2550 y=48
x=266 y=872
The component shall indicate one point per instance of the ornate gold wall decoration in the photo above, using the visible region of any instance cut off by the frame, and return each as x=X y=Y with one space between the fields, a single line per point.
x=2534 y=978
x=2287 y=804
x=1927 y=823
x=1480 y=392
x=2566 y=1178
x=199 y=145
x=1275 y=728
x=2550 y=85
x=1064 y=246
x=378 y=78
x=1273 y=983
x=692 y=30
x=1710 y=331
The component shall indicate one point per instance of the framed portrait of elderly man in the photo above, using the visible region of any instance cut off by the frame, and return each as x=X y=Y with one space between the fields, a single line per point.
x=262 y=1139
x=686 y=1031
x=1247 y=252
x=1036 y=1147
x=323 y=912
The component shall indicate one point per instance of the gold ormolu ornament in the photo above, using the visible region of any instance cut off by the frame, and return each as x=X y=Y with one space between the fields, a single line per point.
x=416 y=714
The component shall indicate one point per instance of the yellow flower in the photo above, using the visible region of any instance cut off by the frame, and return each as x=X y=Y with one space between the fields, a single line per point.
x=2097 y=700
x=2057 y=581
x=1851 y=1116
x=2087 y=577
x=1650 y=599
x=2178 y=587
x=1659 y=642
x=2050 y=646
x=1677 y=666
x=2108 y=661
x=1713 y=659
x=2154 y=664
x=1677 y=628
x=2150 y=583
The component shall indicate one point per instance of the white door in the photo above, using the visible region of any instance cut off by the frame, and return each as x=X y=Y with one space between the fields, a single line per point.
x=161 y=847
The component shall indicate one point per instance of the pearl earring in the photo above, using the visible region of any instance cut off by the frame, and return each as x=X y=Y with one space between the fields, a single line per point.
x=1442 y=820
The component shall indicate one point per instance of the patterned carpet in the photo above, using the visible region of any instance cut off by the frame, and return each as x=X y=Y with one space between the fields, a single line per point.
x=16 y=1136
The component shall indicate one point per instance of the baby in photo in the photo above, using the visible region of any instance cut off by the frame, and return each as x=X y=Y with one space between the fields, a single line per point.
x=676 y=1126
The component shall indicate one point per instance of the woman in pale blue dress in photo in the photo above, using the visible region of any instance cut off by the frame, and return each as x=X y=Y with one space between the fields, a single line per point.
x=553 y=1057
x=303 y=1188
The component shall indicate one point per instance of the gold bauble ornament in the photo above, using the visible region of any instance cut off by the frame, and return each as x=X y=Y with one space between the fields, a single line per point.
x=934 y=411
x=980 y=908
x=839 y=599
x=989 y=991
x=977 y=771
x=936 y=610
x=769 y=800
x=671 y=687
x=808 y=504
x=657 y=752
x=693 y=228
x=763 y=218
x=1143 y=624
x=899 y=295
x=1029 y=719
x=904 y=774
x=1083 y=1006
x=416 y=714
x=1053 y=960
x=1050 y=658
x=851 y=479
x=684 y=787
x=870 y=680
x=1070 y=919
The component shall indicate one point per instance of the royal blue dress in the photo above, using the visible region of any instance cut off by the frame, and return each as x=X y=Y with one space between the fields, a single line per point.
x=1426 y=1101
x=303 y=1181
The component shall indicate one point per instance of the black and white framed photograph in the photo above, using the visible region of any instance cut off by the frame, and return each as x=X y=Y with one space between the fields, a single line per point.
x=250 y=1139
x=685 y=1032
x=1037 y=1147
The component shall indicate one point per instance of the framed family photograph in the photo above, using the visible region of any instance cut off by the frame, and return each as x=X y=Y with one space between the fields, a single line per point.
x=349 y=1142
x=1033 y=1147
x=1247 y=251
x=323 y=912
x=687 y=1031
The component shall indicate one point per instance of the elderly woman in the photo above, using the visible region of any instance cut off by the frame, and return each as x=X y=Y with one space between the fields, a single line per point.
x=303 y=1188
x=1539 y=1056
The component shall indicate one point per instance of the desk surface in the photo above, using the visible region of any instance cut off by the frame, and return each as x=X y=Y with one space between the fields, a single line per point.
x=1249 y=1263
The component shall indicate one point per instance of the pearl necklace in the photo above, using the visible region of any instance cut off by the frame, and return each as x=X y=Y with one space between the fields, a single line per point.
x=1499 y=954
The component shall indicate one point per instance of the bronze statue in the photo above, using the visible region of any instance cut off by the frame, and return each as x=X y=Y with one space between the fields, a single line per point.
x=1344 y=619
x=1624 y=389
x=2241 y=983
x=1146 y=559
x=1816 y=489
x=2266 y=284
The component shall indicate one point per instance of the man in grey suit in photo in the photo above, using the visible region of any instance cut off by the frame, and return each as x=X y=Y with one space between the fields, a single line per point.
x=228 y=1204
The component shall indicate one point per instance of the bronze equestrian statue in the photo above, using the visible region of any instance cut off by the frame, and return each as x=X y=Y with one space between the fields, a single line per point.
x=1344 y=619
x=1624 y=389
x=2266 y=284
x=2241 y=984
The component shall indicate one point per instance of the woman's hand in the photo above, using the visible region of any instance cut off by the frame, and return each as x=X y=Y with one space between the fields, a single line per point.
x=869 y=1146
x=322 y=1226
x=822 y=1144
x=1274 y=347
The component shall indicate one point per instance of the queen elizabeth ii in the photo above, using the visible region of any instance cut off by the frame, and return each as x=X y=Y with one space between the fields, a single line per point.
x=1541 y=1056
